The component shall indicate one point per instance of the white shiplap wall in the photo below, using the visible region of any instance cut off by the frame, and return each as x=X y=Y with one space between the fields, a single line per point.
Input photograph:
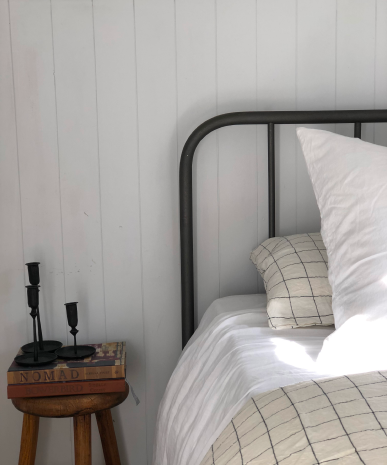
x=97 y=99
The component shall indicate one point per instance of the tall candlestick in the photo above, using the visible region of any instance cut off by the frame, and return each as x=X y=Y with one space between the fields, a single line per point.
x=35 y=357
x=44 y=346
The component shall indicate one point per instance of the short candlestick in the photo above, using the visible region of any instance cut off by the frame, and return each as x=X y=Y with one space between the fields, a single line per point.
x=75 y=351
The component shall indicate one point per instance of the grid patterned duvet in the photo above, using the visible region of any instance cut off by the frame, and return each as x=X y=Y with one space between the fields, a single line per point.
x=338 y=421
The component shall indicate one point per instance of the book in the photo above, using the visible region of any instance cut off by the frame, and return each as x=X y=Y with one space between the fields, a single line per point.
x=65 y=389
x=109 y=361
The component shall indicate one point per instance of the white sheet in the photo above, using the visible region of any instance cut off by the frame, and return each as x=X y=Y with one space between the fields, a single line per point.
x=232 y=356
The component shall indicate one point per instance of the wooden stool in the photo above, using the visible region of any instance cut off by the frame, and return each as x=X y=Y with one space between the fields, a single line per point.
x=80 y=408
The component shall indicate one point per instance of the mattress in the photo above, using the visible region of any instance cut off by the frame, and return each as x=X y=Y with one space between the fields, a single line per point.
x=232 y=356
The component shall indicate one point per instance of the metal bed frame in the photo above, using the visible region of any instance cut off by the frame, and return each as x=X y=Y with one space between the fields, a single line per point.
x=270 y=118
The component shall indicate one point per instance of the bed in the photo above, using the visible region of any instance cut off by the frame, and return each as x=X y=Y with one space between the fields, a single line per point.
x=245 y=393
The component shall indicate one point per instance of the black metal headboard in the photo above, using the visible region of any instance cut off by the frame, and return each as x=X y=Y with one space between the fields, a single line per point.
x=185 y=178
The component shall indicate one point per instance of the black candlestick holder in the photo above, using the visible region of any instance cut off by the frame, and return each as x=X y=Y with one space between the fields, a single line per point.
x=36 y=358
x=43 y=346
x=75 y=351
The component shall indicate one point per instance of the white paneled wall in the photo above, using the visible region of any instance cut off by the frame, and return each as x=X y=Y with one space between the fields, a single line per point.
x=97 y=98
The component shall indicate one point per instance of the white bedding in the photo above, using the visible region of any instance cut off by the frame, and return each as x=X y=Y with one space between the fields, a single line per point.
x=232 y=356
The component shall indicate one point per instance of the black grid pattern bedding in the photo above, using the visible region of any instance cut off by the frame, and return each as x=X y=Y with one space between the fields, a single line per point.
x=335 y=421
x=295 y=273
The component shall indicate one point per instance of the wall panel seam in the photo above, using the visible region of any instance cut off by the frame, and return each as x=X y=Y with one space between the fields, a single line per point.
x=149 y=459
x=177 y=119
x=217 y=139
x=99 y=167
x=17 y=153
x=59 y=172
x=375 y=50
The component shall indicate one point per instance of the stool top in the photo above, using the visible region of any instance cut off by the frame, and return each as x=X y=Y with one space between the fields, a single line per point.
x=69 y=406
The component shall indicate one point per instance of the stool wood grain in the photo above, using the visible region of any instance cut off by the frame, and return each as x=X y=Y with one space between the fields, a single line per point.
x=80 y=408
x=108 y=437
x=29 y=439
x=82 y=439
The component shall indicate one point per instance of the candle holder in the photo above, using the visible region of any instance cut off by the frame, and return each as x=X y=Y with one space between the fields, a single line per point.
x=36 y=358
x=75 y=351
x=43 y=346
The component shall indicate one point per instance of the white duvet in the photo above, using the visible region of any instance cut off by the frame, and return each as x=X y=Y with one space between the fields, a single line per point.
x=232 y=356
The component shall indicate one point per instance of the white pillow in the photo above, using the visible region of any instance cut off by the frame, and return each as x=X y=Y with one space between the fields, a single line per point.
x=349 y=178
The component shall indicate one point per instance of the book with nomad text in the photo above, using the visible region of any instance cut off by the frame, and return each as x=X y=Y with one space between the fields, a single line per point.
x=109 y=361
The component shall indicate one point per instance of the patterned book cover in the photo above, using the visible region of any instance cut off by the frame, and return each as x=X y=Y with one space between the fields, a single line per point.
x=109 y=361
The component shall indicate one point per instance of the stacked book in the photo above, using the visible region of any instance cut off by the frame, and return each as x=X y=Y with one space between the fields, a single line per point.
x=105 y=371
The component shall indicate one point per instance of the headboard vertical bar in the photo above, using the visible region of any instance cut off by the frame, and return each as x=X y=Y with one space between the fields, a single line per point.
x=186 y=243
x=357 y=130
x=271 y=175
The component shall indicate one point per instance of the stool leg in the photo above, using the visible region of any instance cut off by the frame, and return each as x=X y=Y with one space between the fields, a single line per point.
x=82 y=439
x=108 y=437
x=29 y=439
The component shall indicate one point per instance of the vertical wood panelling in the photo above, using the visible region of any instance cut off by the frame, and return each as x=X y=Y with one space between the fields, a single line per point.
x=238 y=201
x=276 y=90
x=79 y=163
x=355 y=76
x=196 y=102
x=316 y=69
x=156 y=77
x=120 y=207
x=38 y=155
x=13 y=311
x=381 y=68
x=316 y=54
x=39 y=180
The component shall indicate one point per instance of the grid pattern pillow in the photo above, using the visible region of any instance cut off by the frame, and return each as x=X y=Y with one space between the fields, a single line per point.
x=295 y=273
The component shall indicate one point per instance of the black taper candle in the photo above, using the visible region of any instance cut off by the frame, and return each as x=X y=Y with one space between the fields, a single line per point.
x=72 y=319
x=33 y=273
